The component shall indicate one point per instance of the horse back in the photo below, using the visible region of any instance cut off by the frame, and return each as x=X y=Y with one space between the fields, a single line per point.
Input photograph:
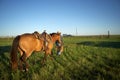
x=29 y=43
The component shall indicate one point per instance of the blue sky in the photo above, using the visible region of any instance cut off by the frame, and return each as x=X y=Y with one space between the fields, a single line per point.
x=90 y=17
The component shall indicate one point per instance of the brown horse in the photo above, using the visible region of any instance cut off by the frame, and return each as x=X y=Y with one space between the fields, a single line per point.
x=27 y=43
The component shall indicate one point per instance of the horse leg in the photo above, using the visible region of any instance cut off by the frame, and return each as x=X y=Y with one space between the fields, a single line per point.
x=23 y=59
x=20 y=60
x=49 y=51
x=45 y=57
x=51 y=55
x=21 y=63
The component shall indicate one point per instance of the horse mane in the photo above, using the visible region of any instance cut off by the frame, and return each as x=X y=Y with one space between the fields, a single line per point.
x=51 y=34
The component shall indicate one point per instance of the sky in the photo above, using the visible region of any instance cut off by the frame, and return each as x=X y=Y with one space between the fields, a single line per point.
x=87 y=17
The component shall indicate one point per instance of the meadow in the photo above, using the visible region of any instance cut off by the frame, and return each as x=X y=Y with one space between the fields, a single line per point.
x=83 y=58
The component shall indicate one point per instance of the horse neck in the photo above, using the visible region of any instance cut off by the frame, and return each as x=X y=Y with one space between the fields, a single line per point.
x=53 y=39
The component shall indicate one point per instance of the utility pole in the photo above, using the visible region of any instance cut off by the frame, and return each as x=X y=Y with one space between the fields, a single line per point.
x=76 y=31
x=108 y=34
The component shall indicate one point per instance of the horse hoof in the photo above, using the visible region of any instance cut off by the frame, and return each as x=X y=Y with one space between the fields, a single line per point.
x=22 y=70
x=26 y=70
x=59 y=53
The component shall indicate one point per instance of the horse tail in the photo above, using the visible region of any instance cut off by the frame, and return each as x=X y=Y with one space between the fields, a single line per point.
x=13 y=53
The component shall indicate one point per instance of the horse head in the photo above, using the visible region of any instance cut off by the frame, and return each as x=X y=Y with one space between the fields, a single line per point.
x=57 y=39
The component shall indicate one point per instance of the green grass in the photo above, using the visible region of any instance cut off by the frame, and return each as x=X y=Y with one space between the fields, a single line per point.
x=84 y=58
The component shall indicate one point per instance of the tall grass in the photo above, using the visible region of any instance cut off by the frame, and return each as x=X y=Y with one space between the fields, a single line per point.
x=83 y=58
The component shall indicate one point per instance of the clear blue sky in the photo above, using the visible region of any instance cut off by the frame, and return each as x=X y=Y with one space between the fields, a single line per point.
x=90 y=17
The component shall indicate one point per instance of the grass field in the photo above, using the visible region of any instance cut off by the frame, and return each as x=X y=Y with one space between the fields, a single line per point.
x=84 y=58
